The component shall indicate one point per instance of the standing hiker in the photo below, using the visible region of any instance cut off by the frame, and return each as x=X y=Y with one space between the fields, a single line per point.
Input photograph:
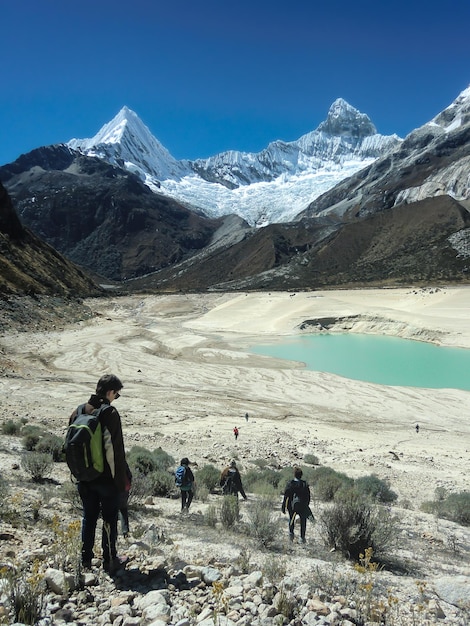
x=184 y=479
x=235 y=432
x=101 y=495
x=297 y=500
x=231 y=481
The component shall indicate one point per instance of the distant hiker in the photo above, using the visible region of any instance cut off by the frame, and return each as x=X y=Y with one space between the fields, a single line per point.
x=123 y=500
x=184 y=479
x=101 y=495
x=417 y=428
x=235 y=432
x=246 y=416
x=297 y=500
x=231 y=481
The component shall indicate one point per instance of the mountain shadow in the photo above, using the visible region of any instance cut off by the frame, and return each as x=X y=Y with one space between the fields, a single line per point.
x=28 y=266
x=100 y=216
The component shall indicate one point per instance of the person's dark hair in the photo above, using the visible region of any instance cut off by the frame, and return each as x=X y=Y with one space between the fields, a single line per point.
x=184 y=461
x=298 y=472
x=108 y=382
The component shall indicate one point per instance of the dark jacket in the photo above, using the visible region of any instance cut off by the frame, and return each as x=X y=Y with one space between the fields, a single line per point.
x=296 y=497
x=188 y=479
x=231 y=482
x=115 y=466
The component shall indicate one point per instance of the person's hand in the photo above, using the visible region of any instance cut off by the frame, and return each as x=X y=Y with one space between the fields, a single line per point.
x=283 y=509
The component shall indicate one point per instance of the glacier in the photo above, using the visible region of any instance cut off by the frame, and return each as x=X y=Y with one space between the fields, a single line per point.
x=270 y=186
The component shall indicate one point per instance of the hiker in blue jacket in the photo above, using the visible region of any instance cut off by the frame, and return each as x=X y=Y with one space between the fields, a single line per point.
x=184 y=479
x=102 y=495
x=297 y=500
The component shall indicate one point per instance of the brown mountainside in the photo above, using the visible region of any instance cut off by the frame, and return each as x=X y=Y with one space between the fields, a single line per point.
x=28 y=266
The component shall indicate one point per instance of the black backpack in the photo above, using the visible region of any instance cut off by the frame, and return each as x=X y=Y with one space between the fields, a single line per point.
x=299 y=496
x=229 y=486
x=83 y=446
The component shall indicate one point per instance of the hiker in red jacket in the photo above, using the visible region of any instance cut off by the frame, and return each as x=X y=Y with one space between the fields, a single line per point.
x=235 y=432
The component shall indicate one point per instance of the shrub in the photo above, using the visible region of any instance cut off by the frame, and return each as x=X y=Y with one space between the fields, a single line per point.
x=141 y=488
x=264 y=476
x=208 y=476
x=326 y=482
x=261 y=463
x=4 y=491
x=375 y=488
x=141 y=460
x=229 y=511
x=201 y=492
x=26 y=592
x=456 y=508
x=37 y=464
x=51 y=444
x=69 y=493
x=264 y=489
x=162 y=483
x=210 y=516
x=353 y=524
x=263 y=522
x=274 y=568
x=311 y=459
x=31 y=435
x=11 y=428
x=163 y=460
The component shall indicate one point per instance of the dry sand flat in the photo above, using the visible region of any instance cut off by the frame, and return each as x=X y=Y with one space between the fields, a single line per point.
x=189 y=380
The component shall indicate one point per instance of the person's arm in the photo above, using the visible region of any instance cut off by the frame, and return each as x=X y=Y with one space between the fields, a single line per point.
x=287 y=497
x=114 y=446
x=223 y=477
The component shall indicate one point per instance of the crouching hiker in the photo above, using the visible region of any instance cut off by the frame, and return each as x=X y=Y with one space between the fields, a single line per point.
x=184 y=479
x=297 y=500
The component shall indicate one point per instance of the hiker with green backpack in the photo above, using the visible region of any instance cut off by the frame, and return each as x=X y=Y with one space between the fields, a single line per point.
x=94 y=451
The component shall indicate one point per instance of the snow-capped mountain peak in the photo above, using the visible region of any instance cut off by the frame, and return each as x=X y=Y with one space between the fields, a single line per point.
x=456 y=114
x=344 y=119
x=273 y=185
x=126 y=141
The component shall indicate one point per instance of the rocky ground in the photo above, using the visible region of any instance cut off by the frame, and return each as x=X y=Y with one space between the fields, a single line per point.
x=182 y=393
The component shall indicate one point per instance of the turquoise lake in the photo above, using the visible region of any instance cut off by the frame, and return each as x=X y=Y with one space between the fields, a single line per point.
x=377 y=359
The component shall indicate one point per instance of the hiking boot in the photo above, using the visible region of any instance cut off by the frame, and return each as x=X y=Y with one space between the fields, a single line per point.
x=116 y=564
x=291 y=536
x=86 y=564
x=302 y=540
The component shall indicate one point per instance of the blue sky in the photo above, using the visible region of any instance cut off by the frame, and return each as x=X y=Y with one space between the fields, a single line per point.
x=209 y=76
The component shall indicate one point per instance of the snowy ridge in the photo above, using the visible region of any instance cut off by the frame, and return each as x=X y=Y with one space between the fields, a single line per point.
x=273 y=185
x=453 y=180
x=126 y=141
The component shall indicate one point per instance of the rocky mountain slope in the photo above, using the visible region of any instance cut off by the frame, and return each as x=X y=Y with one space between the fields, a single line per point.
x=400 y=220
x=405 y=218
x=30 y=266
x=433 y=160
x=39 y=288
x=100 y=216
x=269 y=186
